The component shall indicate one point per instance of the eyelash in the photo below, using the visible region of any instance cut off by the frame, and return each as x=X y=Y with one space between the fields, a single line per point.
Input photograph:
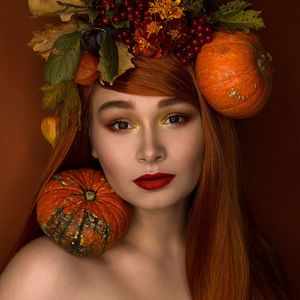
x=111 y=126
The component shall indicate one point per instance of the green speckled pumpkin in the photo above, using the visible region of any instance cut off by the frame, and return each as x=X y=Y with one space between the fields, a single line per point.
x=80 y=211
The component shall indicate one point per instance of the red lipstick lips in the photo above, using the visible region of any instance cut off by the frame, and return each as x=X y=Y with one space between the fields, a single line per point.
x=153 y=181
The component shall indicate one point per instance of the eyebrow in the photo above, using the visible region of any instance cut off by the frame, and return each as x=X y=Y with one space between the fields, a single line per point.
x=129 y=105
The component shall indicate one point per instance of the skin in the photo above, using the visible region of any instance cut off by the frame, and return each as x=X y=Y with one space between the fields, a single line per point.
x=149 y=263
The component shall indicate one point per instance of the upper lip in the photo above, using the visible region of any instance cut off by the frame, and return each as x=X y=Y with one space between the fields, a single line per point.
x=152 y=176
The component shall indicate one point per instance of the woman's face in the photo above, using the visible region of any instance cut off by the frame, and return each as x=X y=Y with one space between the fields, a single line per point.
x=136 y=135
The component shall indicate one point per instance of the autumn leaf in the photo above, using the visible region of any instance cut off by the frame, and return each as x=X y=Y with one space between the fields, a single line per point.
x=43 y=41
x=125 y=57
x=63 y=59
x=108 y=65
x=235 y=15
x=53 y=95
x=65 y=9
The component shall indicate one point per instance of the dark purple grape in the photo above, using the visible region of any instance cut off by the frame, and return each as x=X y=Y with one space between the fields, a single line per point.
x=88 y=41
x=100 y=37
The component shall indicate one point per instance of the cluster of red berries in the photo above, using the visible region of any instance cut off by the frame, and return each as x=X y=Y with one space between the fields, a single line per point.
x=126 y=10
x=200 y=33
x=129 y=17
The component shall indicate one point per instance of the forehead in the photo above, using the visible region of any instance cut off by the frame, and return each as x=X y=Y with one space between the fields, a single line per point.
x=106 y=99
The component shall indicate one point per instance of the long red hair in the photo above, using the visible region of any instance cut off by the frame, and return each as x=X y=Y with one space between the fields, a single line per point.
x=225 y=257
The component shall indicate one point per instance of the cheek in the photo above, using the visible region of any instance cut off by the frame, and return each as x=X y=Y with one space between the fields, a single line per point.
x=112 y=155
x=189 y=150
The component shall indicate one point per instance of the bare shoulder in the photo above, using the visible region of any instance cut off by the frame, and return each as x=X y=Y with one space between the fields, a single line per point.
x=37 y=270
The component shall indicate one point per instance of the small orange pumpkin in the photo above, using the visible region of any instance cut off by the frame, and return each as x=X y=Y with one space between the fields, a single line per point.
x=234 y=74
x=80 y=211
x=87 y=72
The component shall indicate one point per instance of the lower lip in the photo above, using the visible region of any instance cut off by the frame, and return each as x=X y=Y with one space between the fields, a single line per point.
x=154 y=184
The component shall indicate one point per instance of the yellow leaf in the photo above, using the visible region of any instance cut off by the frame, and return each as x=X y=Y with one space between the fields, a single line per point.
x=125 y=57
x=65 y=8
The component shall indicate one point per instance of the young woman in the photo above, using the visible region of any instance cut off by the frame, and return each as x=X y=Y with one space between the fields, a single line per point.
x=189 y=239
x=190 y=236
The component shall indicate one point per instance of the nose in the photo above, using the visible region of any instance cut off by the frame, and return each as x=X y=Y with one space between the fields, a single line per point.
x=151 y=148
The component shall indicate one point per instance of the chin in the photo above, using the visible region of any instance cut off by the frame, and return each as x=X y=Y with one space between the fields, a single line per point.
x=155 y=199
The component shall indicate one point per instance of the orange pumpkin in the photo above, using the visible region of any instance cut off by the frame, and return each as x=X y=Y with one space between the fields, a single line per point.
x=80 y=211
x=87 y=72
x=234 y=75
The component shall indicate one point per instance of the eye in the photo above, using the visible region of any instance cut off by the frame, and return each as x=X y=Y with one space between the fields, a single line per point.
x=120 y=125
x=176 y=118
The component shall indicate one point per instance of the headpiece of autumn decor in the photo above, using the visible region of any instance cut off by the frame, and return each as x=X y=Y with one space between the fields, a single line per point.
x=97 y=41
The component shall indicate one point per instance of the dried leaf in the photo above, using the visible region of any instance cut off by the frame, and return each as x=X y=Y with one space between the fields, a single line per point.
x=53 y=95
x=125 y=57
x=43 y=41
x=64 y=8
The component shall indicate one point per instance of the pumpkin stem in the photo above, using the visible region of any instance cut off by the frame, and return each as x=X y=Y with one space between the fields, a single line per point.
x=90 y=195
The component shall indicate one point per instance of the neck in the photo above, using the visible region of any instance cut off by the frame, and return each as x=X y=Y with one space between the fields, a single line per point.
x=158 y=232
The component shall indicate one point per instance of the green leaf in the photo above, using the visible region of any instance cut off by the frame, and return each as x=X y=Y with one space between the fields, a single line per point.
x=233 y=16
x=63 y=59
x=92 y=15
x=124 y=23
x=228 y=10
x=244 y=20
x=53 y=95
x=109 y=62
x=89 y=3
x=195 y=8
x=109 y=13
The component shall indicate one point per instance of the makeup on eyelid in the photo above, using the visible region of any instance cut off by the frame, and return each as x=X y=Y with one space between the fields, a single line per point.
x=119 y=114
x=181 y=119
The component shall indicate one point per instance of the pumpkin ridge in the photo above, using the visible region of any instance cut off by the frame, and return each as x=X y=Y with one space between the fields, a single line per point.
x=113 y=217
x=114 y=203
x=84 y=178
x=75 y=245
x=123 y=223
x=210 y=45
x=105 y=227
x=75 y=178
x=121 y=211
x=85 y=224
x=63 y=188
x=64 y=226
x=65 y=197
x=104 y=215
x=229 y=78
x=107 y=211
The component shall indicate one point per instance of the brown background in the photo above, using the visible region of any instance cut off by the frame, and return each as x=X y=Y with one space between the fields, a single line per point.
x=270 y=142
